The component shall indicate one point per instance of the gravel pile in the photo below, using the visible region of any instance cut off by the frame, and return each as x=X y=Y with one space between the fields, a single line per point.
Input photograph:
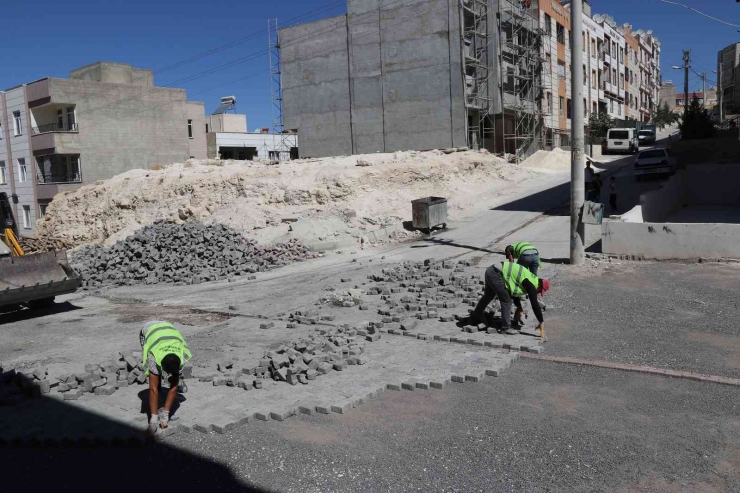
x=190 y=253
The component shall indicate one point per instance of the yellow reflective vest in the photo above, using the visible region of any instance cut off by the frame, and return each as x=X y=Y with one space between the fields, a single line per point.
x=161 y=339
x=514 y=275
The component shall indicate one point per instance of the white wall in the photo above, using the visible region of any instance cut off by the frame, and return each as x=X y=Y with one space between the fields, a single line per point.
x=264 y=143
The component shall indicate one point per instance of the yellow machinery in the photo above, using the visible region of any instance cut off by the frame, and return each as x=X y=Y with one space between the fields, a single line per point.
x=31 y=280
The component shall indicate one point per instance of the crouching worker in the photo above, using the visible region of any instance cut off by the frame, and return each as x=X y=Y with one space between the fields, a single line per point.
x=507 y=284
x=163 y=354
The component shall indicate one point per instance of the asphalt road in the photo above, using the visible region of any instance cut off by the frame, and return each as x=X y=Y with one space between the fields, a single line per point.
x=542 y=427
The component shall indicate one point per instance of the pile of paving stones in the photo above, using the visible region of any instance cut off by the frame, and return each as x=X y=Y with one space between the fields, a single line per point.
x=190 y=253
x=327 y=349
x=423 y=290
x=99 y=379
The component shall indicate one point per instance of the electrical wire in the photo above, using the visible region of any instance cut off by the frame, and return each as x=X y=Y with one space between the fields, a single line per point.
x=700 y=13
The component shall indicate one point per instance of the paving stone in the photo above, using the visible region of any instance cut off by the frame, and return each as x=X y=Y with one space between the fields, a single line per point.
x=394 y=386
x=422 y=385
x=408 y=385
x=323 y=408
x=203 y=427
x=262 y=415
x=307 y=408
x=439 y=383
x=342 y=407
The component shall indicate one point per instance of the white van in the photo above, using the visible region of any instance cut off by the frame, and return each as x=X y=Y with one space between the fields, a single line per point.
x=621 y=140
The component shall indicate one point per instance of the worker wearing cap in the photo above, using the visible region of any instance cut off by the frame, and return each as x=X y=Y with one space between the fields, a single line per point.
x=509 y=283
x=163 y=354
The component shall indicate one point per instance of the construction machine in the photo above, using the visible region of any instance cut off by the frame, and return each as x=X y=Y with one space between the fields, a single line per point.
x=31 y=280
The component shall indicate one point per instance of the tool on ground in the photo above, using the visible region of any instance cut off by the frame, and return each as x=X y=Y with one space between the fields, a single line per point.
x=29 y=280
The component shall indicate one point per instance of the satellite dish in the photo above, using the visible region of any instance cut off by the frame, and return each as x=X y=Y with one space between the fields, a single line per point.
x=650 y=32
x=598 y=18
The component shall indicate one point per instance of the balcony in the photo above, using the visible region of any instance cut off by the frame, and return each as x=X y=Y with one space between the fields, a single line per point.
x=67 y=127
x=58 y=169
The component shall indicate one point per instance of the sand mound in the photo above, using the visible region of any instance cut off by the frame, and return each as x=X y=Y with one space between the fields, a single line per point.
x=557 y=160
x=251 y=196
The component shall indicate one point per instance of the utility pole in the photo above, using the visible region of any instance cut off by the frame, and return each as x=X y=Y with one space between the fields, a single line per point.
x=719 y=83
x=704 y=90
x=686 y=60
x=577 y=229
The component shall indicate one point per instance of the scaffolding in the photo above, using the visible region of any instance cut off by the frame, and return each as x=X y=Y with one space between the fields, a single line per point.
x=477 y=71
x=521 y=86
x=282 y=151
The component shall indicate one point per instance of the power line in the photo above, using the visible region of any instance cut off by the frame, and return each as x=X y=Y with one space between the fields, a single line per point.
x=700 y=13
x=244 y=59
x=264 y=52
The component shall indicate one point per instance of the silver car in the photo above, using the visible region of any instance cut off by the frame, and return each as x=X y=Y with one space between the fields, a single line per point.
x=646 y=137
x=655 y=162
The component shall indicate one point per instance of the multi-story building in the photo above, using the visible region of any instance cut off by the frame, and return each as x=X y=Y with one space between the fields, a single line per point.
x=668 y=95
x=59 y=134
x=728 y=66
x=631 y=75
x=648 y=58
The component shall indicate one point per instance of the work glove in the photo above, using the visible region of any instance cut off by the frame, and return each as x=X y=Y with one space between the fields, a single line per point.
x=541 y=329
x=164 y=418
x=153 y=424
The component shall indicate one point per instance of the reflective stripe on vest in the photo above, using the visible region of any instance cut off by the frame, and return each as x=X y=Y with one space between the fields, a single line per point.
x=162 y=339
x=514 y=275
x=522 y=247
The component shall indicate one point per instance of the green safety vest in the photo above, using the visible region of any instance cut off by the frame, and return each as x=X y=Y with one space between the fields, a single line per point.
x=522 y=247
x=514 y=275
x=162 y=339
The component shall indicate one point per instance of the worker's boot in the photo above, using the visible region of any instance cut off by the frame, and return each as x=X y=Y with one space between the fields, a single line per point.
x=518 y=316
x=510 y=331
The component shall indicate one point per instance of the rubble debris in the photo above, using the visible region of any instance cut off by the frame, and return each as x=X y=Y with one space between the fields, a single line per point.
x=190 y=253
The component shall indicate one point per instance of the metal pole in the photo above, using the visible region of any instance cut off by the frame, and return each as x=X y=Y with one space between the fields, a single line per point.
x=704 y=90
x=721 y=70
x=686 y=58
x=577 y=229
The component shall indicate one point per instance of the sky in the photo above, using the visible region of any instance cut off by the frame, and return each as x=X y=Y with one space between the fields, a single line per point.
x=220 y=46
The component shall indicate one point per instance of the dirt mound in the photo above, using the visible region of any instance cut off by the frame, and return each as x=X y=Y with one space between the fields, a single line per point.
x=251 y=196
x=556 y=160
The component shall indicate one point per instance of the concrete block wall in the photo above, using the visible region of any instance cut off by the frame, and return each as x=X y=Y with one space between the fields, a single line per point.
x=385 y=77
x=197 y=143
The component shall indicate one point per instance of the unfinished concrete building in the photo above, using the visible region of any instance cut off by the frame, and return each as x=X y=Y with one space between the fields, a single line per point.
x=415 y=74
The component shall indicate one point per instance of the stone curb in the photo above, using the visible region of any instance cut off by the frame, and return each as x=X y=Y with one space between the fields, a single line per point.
x=461 y=339
x=649 y=370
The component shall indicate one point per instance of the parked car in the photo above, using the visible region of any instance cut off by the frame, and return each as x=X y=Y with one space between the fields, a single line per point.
x=620 y=140
x=655 y=162
x=645 y=137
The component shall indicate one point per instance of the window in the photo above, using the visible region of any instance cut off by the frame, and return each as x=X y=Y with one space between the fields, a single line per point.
x=621 y=81
x=1 y=130
x=619 y=109
x=614 y=76
x=26 y=217
x=71 y=118
x=60 y=119
x=42 y=209
x=593 y=48
x=593 y=109
x=22 y=170
x=585 y=109
x=570 y=108
x=17 y=123
x=585 y=83
x=593 y=79
x=548 y=25
x=190 y=129
x=561 y=109
x=621 y=54
x=548 y=59
x=561 y=69
x=560 y=33
x=549 y=102
x=583 y=42
x=3 y=173
x=614 y=48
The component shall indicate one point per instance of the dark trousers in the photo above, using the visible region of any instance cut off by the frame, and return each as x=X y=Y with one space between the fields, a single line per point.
x=496 y=287
x=613 y=201
x=531 y=262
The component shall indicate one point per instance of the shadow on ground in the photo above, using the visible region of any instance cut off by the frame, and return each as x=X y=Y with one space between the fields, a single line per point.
x=27 y=313
x=46 y=443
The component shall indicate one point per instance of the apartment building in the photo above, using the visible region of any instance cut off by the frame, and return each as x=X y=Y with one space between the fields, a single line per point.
x=59 y=134
x=728 y=66
x=631 y=74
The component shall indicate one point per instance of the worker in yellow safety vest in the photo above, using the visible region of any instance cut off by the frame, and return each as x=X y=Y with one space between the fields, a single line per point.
x=507 y=284
x=163 y=355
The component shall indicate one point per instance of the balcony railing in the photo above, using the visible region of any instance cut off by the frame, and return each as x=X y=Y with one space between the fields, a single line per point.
x=58 y=177
x=55 y=127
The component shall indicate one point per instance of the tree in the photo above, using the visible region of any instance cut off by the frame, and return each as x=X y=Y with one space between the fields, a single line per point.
x=696 y=124
x=664 y=116
x=599 y=123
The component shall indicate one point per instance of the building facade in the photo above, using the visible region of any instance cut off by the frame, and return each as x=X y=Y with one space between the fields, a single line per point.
x=427 y=74
x=107 y=118
x=728 y=66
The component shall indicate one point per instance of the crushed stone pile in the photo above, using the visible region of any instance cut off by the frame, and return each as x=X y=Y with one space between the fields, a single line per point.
x=556 y=160
x=190 y=253
x=257 y=199
x=40 y=245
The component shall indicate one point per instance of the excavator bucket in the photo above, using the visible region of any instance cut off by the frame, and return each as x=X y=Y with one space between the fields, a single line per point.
x=36 y=277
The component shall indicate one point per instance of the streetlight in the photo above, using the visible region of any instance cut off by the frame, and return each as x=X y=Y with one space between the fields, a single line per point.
x=685 y=96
